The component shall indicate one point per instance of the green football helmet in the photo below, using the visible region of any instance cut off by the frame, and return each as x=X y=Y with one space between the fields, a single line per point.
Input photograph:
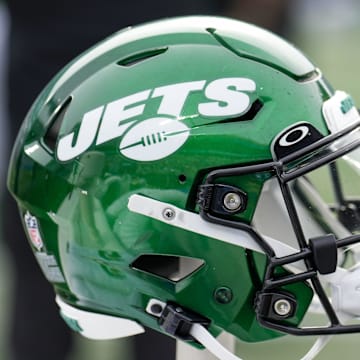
x=193 y=175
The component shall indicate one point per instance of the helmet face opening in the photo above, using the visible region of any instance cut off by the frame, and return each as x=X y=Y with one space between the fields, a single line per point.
x=322 y=190
x=195 y=162
x=309 y=202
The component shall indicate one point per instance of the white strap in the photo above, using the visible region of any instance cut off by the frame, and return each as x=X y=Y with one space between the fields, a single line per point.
x=211 y=344
x=193 y=222
x=317 y=347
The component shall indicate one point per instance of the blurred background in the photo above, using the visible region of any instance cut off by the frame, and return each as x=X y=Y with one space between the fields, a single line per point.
x=326 y=30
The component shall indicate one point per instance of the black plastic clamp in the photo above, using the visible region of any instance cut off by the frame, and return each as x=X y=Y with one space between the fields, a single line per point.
x=178 y=321
x=211 y=198
x=324 y=251
x=275 y=305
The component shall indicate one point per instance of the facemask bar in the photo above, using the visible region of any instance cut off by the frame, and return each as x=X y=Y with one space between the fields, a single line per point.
x=348 y=211
x=286 y=169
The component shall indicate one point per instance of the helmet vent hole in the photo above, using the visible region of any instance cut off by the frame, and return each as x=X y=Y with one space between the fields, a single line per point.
x=173 y=268
x=138 y=57
x=182 y=178
x=249 y=115
x=52 y=132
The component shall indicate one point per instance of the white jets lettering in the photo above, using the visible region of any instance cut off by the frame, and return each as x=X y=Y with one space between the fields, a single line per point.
x=174 y=96
x=229 y=92
x=228 y=97
x=87 y=132
x=113 y=123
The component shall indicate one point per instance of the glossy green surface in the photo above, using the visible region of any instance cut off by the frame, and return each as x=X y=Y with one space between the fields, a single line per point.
x=81 y=204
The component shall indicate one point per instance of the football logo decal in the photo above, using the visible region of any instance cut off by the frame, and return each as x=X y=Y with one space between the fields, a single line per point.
x=154 y=139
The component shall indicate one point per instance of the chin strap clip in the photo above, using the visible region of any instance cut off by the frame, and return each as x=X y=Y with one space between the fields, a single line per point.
x=187 y=325
x=178 y=321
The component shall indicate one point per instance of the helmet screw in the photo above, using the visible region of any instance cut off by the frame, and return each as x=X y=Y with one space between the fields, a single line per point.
x=223 y=295
x=232 y=201
x=282 y=307
x=156 y=309
x=168 y=214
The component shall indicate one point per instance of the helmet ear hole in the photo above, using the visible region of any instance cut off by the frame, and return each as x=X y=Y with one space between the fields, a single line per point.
x=173 y=268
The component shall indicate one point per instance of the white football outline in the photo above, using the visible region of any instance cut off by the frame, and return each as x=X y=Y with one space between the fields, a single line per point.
x=154 y=139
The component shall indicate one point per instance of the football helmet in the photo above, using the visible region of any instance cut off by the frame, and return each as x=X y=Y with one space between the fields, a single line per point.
x=194 y=175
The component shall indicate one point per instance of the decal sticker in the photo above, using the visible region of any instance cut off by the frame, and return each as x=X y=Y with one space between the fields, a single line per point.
x=50 y=267
x=32 y=228
x=340 y=112
x=294 y=138
x=157 y=145
x=164 y=132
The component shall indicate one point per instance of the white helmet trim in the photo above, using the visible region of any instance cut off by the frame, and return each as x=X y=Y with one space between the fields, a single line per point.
x=98 y=326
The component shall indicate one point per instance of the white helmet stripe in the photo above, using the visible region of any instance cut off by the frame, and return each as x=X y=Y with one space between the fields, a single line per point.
x=99 y=326
x=193 y=222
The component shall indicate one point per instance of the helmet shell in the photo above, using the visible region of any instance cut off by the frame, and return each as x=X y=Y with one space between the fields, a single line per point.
x=150 y=111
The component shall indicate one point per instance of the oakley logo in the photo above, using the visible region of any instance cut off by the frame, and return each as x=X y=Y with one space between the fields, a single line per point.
x=159 y=136
x=295 y=138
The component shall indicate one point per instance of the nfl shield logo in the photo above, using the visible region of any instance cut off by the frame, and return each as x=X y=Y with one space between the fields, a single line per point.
x=33 y=230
